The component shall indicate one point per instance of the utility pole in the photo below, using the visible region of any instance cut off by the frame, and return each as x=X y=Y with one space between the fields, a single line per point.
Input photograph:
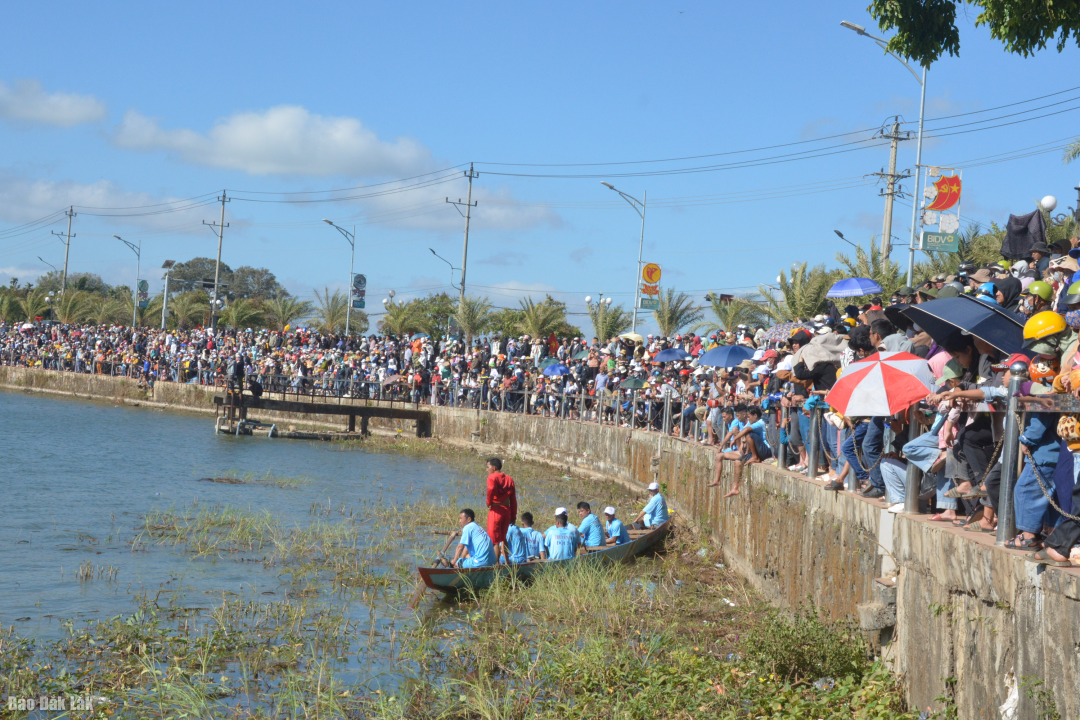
x=469 y=205
x=217 y=266
x=67 y=246
x=895 y=136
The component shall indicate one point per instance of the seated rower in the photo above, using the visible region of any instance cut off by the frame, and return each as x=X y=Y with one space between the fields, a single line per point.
x=534 y=539
x=561 y=539
x=514 y=550
x=617 y=534
x=591 y=533
x=475 y=548
x=655 y=512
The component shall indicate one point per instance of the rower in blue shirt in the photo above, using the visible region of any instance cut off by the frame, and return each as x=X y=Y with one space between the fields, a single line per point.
x=561 y=539
x=534 y=539
x=617 y=534
x=515 y=549
x=475 y=548
x=655 y=512
x=592 y=535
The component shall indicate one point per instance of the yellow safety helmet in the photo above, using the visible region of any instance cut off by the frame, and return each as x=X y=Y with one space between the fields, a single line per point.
x=1044 y=324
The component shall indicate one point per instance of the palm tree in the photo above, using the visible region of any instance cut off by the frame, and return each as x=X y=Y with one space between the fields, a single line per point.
x=1072 y=151
x=242 y=313
x=147 y=316
x=676 y=311
x=400 y=319
x=473 y=315
x=330 y=311
x=189 y=309
x=104 y=310
x=803 y=296
x=71 y=308
x=10 y=308
x=539 y=320
x=869 y=266
x=284 y=311
x=728 y=315
x=34 y=305
x=608 y=321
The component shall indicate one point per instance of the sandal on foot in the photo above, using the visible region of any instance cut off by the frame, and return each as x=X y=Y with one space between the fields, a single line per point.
x=956 y=493
x=1022 y=543
x=974 y=495
x=1043 y=558
x=973 y=526
x=938 y=517
x=834 y=486
x=938 y=464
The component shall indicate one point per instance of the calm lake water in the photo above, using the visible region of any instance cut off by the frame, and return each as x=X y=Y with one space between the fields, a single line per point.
x=79 y=478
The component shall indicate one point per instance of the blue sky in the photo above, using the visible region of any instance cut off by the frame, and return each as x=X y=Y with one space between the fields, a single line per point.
x=134 y=105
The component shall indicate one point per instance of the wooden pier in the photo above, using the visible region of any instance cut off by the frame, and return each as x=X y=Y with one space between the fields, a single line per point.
x=232 y=412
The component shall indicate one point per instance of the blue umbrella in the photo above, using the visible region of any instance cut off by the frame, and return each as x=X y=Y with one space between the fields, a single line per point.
x=419 y=335
x=671 y=354
x=854 y=287
x=944 y=318
x=726 y=356
x=557 y=369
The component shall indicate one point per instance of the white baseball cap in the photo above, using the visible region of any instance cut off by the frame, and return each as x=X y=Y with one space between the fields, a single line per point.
x=560 y=511
x=654 y=486
x=609 y=510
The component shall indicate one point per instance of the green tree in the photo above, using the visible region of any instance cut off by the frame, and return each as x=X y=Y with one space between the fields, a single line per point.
x=189 y=309
x=241 y=314
x=149 y=316
x=505 y=322
x=865 y=265
x=71 y=307
x=675 y=312
x=400 y=319
x=34 y=305
x=727 y=315
x=10 y=308
x=433 y=313
x=609 y=320
x=330 y=311
x=925 y=29
x=472 y=316
x=191 y=274
x=251 y=283
x=802 y=296
x=283 y=311
x=105 y=310
x=541 y=319
x=89 y=283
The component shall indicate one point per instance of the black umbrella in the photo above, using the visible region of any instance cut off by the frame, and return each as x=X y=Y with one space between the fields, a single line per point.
x=945 y=318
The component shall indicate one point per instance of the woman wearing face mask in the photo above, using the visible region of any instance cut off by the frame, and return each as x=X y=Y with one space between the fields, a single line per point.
x=1036 y=298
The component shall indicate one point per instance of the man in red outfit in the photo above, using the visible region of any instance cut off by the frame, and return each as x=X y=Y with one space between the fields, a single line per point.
x=501 y=502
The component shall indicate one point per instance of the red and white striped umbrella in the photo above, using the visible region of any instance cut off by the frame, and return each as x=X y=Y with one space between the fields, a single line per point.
x=881 y=385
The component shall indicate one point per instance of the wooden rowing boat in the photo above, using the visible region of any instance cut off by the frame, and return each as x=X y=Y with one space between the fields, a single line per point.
x=450 y=580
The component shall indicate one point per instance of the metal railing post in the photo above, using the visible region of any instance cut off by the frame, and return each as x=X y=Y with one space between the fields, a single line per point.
x=812 y=445
x=782 y=447
x=1010 y=450
x=914 y=475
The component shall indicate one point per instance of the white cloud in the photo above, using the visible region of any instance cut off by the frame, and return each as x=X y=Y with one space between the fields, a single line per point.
x=284 y=140
x=26 y=102
x=25 y=199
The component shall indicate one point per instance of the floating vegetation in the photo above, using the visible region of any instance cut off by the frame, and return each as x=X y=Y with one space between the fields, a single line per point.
x=268 y=479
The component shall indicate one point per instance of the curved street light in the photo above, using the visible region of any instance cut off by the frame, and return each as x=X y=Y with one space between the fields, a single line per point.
x=351 y=237
x=135 y=290
x=639 y=208
x=918 y=147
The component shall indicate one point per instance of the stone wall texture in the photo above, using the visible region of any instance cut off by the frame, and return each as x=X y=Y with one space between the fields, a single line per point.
x=965 y=609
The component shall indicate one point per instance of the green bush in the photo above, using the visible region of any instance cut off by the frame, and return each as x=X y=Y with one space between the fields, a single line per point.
x=803 y=646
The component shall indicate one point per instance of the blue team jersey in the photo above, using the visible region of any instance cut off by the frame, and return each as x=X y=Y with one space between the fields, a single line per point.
x=734 y=428
x=478 y=543
x=758 y=428
x=515 y=544
x=592 y=534
x=616 y=530
x=655 y=511
x=534 y=540
x=561 y=542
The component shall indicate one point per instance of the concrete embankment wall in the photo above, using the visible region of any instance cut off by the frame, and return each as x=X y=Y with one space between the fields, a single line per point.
x=964 y=608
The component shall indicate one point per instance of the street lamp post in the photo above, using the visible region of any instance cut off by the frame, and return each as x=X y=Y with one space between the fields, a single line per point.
x=135 y=290
x=167 y=267
x=351 y=237
x=639 y=208
x=48 y=263
x=452 y=268
x=918 y=146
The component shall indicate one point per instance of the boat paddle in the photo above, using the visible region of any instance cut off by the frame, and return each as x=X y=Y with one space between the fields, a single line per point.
x=441 y=556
